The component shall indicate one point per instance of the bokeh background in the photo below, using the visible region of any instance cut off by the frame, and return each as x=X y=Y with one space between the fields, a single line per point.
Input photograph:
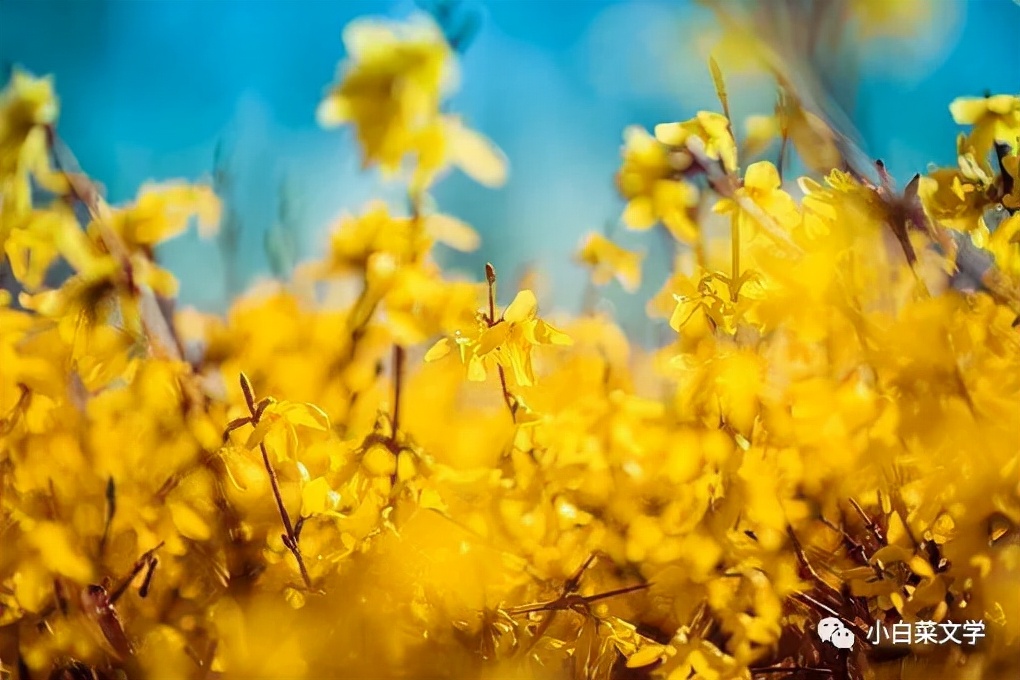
x=151 y=88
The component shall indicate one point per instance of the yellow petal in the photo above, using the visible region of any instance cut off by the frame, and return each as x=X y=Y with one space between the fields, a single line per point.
x=524 y=307
x=967 y=110
x=452 y=232
x=645 y=656
x=1002 y=104
x=548 y=335
x=671 y=134
x=188 y=522
x=640 y=213
x=439 y=350
x=332 y=112
x=315 y=497
x=762 y=175
x=258 y=435
x=493 y=337
x=476 y=369
x=159 y=280
x=58 y=552
x=478 y=157
x=307 y=415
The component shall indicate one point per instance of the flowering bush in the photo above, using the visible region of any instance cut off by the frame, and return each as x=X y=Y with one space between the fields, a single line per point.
x=418 y=481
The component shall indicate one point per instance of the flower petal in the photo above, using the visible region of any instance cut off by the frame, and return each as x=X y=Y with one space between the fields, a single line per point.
x=523 y=308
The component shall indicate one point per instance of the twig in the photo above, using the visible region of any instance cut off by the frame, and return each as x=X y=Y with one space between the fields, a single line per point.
x=873 y=528
x=147 y=558
x=802 y=558
x=111 y=510
x=490 y=278
x=399 y=354
x=290 y=539
x=573 y=600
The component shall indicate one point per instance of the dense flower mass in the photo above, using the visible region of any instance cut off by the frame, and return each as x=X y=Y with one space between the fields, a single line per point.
x=376 y=470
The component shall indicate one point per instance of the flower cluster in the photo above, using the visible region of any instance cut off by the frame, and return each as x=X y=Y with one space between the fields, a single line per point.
x=375 y=469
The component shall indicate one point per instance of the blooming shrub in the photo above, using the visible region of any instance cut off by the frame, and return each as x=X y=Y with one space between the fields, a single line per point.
x=418 y=481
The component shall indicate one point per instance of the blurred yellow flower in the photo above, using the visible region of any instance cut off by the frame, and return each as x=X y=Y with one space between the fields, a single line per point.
x=391 y=89
x=763 y=186
x=609 y=261
x=28 y=106
x=649 y=181
x=163 y=211
x=713 y=129
x=391 y=85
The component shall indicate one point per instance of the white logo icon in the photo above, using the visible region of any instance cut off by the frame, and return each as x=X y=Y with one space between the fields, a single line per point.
x=833 y=631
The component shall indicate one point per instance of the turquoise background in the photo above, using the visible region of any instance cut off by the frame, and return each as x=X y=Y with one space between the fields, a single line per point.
x=149 y=87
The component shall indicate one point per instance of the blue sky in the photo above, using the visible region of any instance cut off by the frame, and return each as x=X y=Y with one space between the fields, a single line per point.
x=148 y=88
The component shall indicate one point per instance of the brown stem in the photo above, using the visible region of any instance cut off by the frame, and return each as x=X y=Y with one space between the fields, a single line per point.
x=784 y=127
x=508 y=398
x=490 y=278
x=290 y=539
x=141 y=563
x=399 y=354
x=870 y=524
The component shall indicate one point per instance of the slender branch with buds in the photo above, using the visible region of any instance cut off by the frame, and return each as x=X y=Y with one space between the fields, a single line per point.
x=290 y=536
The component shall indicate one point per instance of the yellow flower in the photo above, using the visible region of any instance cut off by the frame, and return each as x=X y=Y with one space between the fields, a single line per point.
x=28 y=106
x=279 y=426
x=102 y=284
x=355 y=239
x=390 y=86
x=512 y=338
x=763 y=186
x=163 y=211
x=419 y=305
x=391 y=89
x=993 y=119
x=1004 y=244
x=648 y=180
x=609 y=260
x=405 y=240
x=953 y=199
x=35 y=242
x=508 y=341
x=713 y=129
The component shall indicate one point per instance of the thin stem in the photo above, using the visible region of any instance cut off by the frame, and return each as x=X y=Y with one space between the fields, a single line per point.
x=507 y=397
x=490 y=278
x=141 y=563
x=290 y=538
x=784 y=127
x=870 y=524
x=399 y=354
x=735 y=256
